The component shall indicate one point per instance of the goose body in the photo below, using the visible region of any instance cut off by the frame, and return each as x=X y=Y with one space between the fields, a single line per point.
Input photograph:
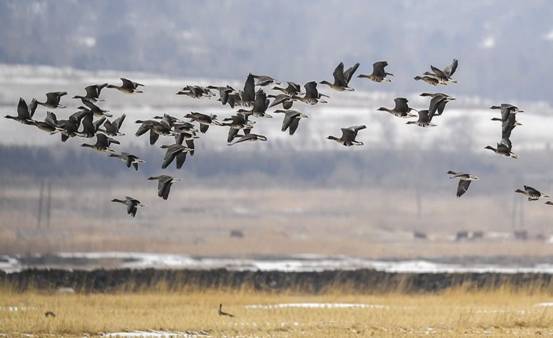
x=163 y=185
x=341 y=77
x=53 y=100
x=127 y=86
x=348 y=136
x=532 y=193
x=378 y=74
x=464 y=181
x=128 y=159
x=401 y=108
x=131 y=203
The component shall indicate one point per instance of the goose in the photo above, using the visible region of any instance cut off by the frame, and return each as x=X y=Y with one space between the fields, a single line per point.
x=237 y=122
x=223 y=313
x=24 y=113
x=204 y=120
x=112 y=127
x=464 y=181
x=533 y=194
x=49 y=314
x=437 y=103
x=428 y=78
x=102 y=143
x=312 y=95
x=378 y=74
x=195 y=92
x=227 y=94
x=264 y=80
x=53 y=100
x=424 y=119
x=291 y=120
x=260 y=105
x=348 y=136
x=68 y=128
x=444 y=75
x=128 y=159
x=90 y=127
x=183 y=132
x=508 y=117
x=503 y=148
x=131 y=203
x=128 y=86
x=174 y=151
x=89 y=105
x=341 y=77
x=164 y=184
x=286 y=100
x=401 y=108
x=92 y=92
x=291 y=88
x=49 y=124
x=247 y=96
x=155 y=128
x=249 y=137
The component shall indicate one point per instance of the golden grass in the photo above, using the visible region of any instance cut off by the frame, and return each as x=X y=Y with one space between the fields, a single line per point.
x=452 y=313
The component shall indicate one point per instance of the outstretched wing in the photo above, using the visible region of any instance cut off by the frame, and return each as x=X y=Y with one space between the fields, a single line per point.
x=463 y=187
x=450 y=70
x=339 y=78
x=348 y=74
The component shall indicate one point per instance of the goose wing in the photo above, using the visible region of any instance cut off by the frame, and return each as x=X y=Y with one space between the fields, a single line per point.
x=339 y=77
x=450 y=70
x=378 y=68
x=23 y=110
x=311 y=90
x=294 y=123
x=401 y=105
x=348 y=74
x=248 y=95
x=119 y=121
x=463 y=187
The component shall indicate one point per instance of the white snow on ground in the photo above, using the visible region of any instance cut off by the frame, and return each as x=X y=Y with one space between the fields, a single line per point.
x=297 y=263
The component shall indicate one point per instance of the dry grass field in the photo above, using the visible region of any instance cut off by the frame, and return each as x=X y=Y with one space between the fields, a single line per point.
x=452 y=313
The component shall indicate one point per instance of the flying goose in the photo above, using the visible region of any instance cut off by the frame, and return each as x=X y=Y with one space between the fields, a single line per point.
x=249 y=137
x=223 y=313
x=533 y=194
x=444 y=75
x=424 y=119
x=195 y=92
x=164 y=184
x=401 y=108
x=429 y=78
x=90 y=106
x=90 y=127
x=24 y=113
x=128 y=86
x=503 y=148
x=131 y=203
x=174 y=151
x=464 y=181
x=204 y=120
x=92 y=92
x=227 y=94
x=68 y=128
x=291 y=120
x=437 y=103
x=348 y=136
x=128 y=159
x=291 y=89
x=341 y=77
x=53 y=100
x=155 y=128
x=263 y=80
x=286 y=100
x=312 y=95
x=112 y=127
x=237 y=122
x=260 y=105
x=49 y=124
x=247 y=96
x=378 y=74
x=102 y=143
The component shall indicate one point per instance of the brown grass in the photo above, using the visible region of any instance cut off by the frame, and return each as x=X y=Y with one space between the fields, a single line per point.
x=452 y=313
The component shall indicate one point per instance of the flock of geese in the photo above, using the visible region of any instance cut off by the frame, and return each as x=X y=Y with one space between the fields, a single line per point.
x=91 y=121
